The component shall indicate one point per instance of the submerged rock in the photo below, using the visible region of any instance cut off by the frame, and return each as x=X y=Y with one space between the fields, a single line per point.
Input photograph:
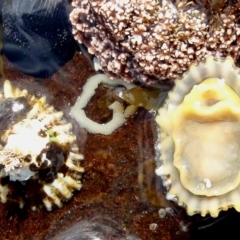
x=37 y=36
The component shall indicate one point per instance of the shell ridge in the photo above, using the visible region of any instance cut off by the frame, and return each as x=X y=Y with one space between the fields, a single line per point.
x=48 y=138
x=227 y=73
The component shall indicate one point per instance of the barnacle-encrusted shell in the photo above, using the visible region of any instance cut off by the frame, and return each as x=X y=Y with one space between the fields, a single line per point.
x=200 y=138
x=39 y=158
x=155 y=40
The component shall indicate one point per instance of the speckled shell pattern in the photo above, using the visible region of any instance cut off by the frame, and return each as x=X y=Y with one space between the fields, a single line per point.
x=49 y=194
x=210 y=68
x=150 y=41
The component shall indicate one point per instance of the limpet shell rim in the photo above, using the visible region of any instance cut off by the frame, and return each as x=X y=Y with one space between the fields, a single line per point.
x=211 y=67
x=199 y=72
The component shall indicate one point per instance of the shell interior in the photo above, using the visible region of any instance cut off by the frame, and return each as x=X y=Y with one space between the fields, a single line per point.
x=208 y=163
x=199 y=138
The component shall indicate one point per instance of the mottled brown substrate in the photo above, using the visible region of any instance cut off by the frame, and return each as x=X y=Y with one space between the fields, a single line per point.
x=112 y=187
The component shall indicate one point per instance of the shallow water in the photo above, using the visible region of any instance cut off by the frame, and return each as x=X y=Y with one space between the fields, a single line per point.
x=121 y=195
x=119 y=183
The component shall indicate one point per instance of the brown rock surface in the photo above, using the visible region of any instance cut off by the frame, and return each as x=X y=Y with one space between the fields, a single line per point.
x=119 y=183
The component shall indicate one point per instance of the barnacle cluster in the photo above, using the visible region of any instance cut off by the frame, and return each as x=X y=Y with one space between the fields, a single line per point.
x=150 y=41
x=200 y=137
x=39 y=157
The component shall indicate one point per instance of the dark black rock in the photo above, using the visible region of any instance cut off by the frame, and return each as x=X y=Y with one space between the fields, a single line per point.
x=37 y=35
x=225 y=226
x=99 y=227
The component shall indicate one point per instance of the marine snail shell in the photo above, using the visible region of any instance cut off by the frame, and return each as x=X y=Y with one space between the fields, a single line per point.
x=39 y=157
x=200 y=138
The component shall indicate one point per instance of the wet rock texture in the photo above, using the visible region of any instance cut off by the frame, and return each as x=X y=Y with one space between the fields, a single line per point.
x=37 y=35
x=119 y=197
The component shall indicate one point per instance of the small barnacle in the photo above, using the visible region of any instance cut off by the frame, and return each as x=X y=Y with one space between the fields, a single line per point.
x=39 y=158
x=200 y=136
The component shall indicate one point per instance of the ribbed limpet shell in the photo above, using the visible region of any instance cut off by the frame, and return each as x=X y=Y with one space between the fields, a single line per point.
x=200 y=138
x=39 y=157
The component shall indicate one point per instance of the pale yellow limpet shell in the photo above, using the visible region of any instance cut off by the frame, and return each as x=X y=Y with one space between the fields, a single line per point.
x=200 y=138
x=206 y=134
